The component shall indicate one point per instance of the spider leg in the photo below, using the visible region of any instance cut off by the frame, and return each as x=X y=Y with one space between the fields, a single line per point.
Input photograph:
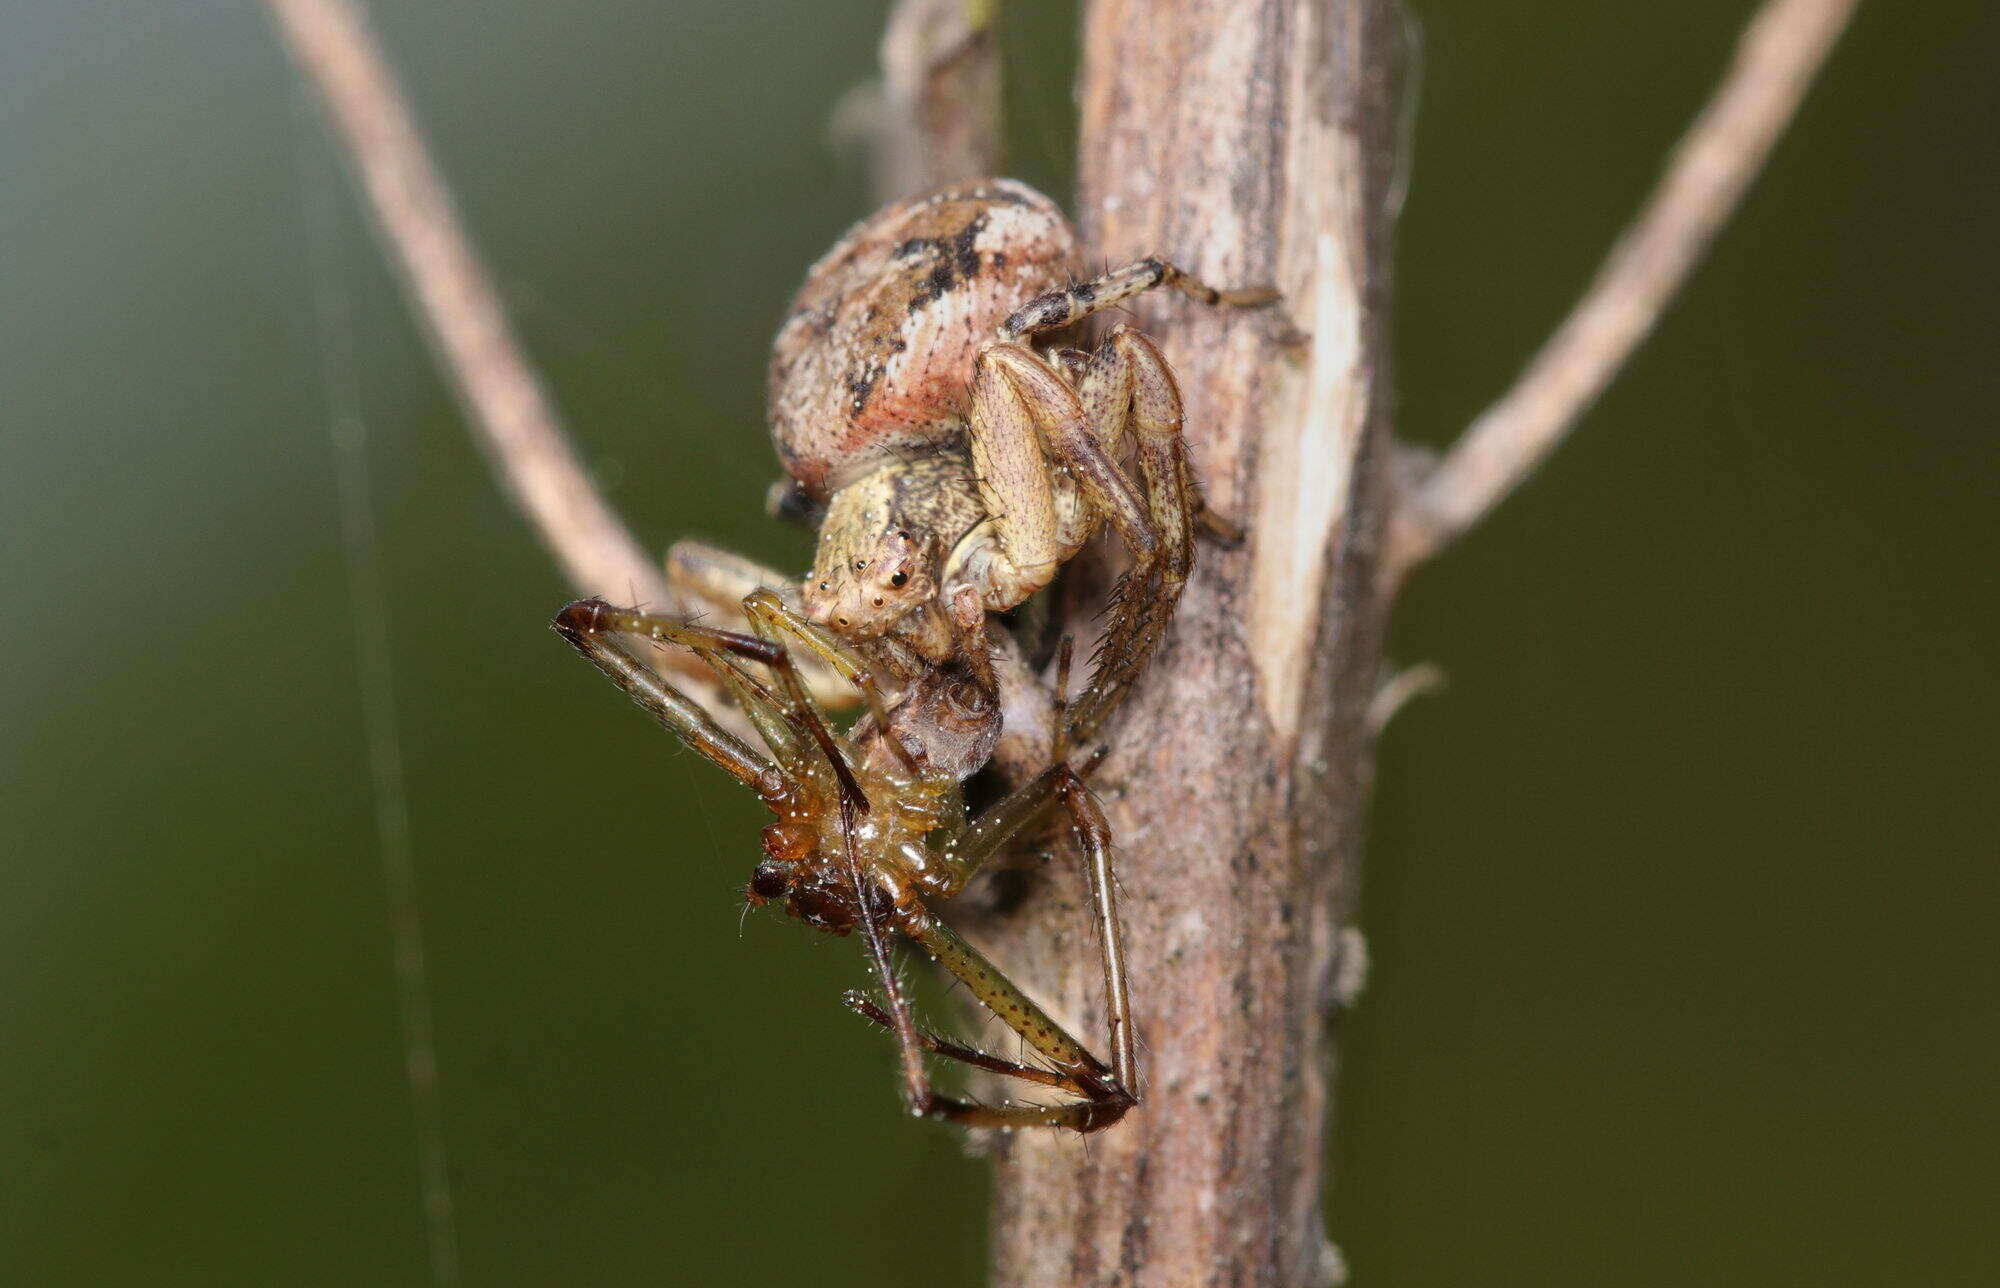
x=1128 y=387
x=1025 y=412
x=1011 y=434
x=1063 y=308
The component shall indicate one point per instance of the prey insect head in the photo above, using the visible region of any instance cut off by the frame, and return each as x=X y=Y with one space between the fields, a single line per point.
x=770 y=881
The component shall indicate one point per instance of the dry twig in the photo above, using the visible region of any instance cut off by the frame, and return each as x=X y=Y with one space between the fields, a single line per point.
x=510 y=413
x=940 y=96
x=1725 y=147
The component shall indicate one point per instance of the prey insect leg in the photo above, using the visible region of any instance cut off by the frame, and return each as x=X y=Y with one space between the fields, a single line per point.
x=781 y=720
x=917 y=1095
x=1106 y=1094
x=585 y=624
x=772 y=616
x=718 y=581
x=864 y=1006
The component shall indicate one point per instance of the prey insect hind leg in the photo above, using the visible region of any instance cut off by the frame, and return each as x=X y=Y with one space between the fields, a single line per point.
x=1107 y=1092
x=1071 y=1067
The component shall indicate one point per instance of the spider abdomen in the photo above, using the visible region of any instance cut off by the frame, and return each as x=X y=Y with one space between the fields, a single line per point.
x=876 y=355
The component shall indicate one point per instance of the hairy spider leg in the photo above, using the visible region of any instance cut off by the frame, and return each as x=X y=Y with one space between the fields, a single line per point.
x=1063 y=308
x=1024 y=413
x=1126 y=383
x=1024 y=408
x=1124 y=389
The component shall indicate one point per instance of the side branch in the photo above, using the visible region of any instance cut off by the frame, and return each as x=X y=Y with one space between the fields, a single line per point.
x=1776 y=59
x=510 y=412
x=940 y=96
x=455 y=297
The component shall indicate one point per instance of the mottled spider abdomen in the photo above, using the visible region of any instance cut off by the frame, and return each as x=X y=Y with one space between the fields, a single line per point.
x=877 y=352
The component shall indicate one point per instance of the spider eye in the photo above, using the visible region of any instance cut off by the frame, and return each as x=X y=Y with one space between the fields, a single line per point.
x=825 y=586
x=899 y=579
x=859 y=564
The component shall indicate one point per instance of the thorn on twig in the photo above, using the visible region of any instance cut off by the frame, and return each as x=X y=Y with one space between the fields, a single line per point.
x=1396 y=692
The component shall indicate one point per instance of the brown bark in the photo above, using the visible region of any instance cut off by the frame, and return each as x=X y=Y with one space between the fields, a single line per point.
x=1250 y=144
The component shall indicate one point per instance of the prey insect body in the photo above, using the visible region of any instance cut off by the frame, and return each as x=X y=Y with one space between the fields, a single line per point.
x=871 y=825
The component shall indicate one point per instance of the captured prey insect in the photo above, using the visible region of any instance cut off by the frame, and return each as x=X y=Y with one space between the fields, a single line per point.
x=871 y=824
x=954 y=459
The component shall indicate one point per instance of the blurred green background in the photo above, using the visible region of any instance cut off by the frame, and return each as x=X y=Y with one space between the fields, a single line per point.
x=1682 y=895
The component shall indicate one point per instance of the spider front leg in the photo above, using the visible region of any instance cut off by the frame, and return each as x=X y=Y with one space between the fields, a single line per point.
x=1026 y=412
x=1128 y=390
